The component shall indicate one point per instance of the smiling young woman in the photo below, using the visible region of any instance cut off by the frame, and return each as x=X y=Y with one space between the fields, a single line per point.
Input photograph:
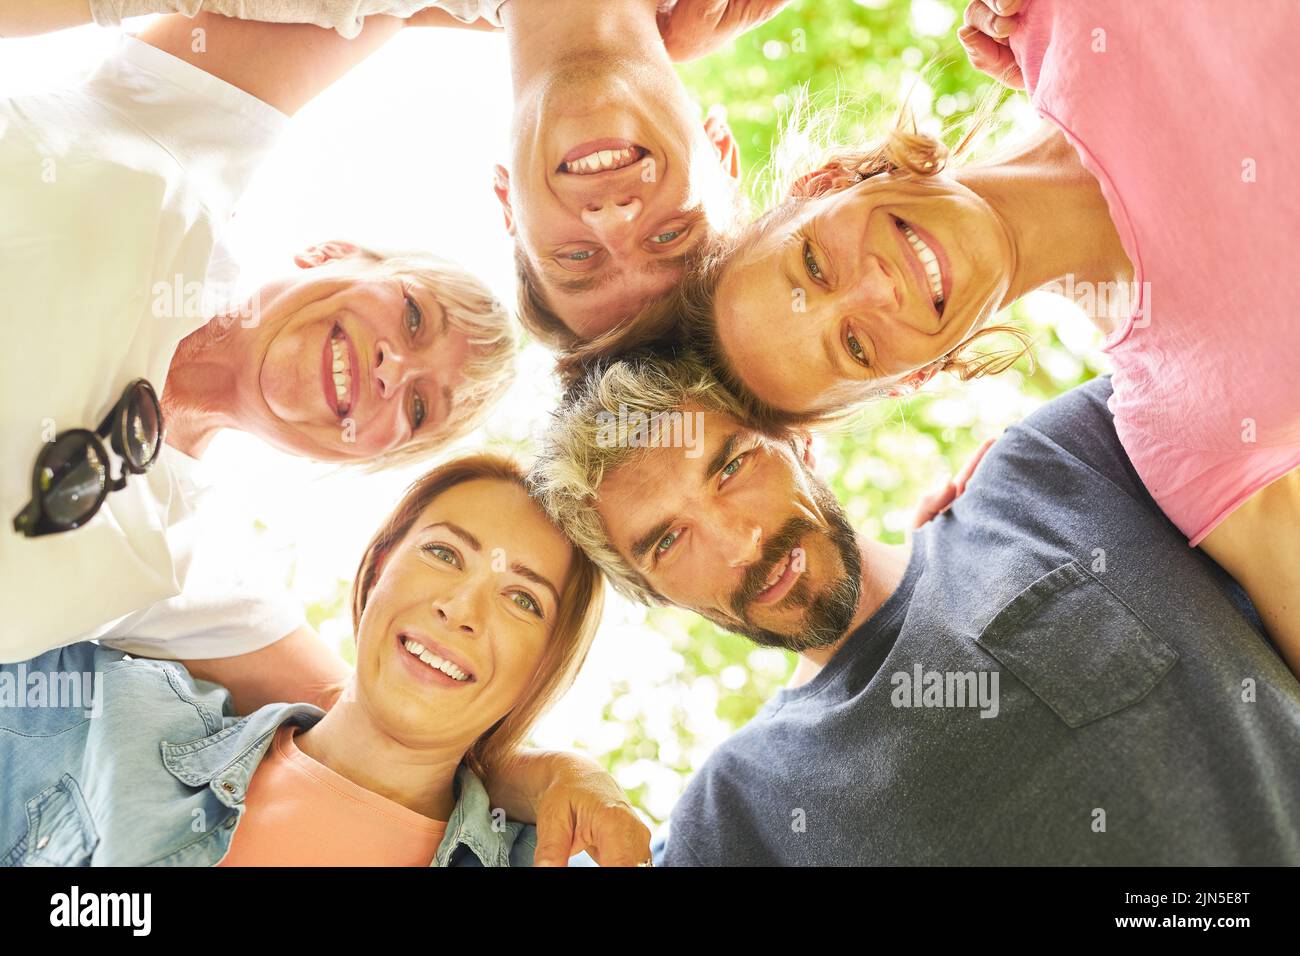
x=473 y=615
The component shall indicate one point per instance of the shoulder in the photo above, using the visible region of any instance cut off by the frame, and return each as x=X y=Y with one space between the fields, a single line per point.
x=214 y=132
x=1077 y=430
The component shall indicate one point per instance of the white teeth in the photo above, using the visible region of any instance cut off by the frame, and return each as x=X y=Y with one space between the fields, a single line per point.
x=601 y=160
x=433 y=660
x=928 y=260
x=776 y=574
x=342 y=372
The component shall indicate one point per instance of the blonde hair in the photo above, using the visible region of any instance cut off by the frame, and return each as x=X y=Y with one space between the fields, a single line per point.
x=807 y=163
x=473 y=311
x=576 y=458
x=578 y=612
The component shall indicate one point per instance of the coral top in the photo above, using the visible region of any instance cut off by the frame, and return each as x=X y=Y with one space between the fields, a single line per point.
x=298 y=812
x=1185 y=112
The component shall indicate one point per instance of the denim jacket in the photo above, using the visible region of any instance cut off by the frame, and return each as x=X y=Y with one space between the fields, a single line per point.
x=107 y=760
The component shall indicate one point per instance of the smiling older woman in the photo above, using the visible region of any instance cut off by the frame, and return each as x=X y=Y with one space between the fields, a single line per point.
x=115 y=193
x=473 y=614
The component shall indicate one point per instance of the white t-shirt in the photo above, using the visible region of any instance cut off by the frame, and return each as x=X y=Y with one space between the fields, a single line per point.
x=111 y=196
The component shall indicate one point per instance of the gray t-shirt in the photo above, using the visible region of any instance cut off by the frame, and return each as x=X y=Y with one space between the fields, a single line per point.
x=1138 y=715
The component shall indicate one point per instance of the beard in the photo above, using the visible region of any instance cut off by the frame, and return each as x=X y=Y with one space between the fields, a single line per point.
x=827 y=614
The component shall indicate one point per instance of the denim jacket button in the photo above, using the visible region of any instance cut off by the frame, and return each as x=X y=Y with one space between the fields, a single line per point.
x=228 y=787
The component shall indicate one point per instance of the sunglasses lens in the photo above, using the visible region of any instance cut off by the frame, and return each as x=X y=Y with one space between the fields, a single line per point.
x=73 y=478
x=143 y=431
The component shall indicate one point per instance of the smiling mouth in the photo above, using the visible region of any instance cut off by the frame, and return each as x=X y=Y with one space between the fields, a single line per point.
x=340 y=371
x=599 y=157
x=441 y=664
x=929 y=263
x=779 y=581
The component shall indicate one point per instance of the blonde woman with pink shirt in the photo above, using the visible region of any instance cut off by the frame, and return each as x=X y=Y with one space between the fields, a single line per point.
x=1161 y=195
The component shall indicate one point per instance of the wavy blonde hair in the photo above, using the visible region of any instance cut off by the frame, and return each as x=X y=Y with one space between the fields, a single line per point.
x=809 y=161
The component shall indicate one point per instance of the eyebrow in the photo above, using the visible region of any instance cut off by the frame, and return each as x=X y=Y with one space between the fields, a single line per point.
x=458 y=531
x=523 y=570
x=593 y=282
x=716 y=464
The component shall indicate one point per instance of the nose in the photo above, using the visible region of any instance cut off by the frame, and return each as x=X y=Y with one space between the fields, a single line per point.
x=392 y=369
x=462 y=610
x=874 y=289
x=744 y=545
x=611 y=220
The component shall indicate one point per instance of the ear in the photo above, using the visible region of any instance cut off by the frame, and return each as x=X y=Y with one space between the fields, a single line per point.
x=830 y=178
x=501 y=186
x=325 y=252
x=720 y=135
x=803 y=447
x=914 y=380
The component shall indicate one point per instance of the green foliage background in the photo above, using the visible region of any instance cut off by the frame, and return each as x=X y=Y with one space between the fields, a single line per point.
x=867 y=51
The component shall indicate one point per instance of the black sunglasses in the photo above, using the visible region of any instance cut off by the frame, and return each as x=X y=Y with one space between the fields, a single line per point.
x=71 y=477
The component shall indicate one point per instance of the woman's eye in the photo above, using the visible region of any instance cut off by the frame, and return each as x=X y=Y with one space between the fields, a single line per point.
x=414 y=317
x=857 y=351
x=665 y=237
x=581 y=255
x=418 y=413
x=810 y=262
x=525 y=600
x=666 y=542
x=443 y=554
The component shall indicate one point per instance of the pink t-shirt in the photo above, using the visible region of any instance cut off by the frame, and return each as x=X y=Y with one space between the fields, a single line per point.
x=298 y=812
x=1185 y=111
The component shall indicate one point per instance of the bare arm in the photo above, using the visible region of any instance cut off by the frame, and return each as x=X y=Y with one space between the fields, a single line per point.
x=282 y=64
x=299 y=667
x=576 y=805
x=26 y=18
x=1257 y=545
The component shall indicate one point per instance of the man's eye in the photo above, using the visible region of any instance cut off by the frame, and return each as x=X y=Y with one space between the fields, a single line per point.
x=665 y=237
x=414 y=317
x=443 y=554
x=581 y=255
x=733 y=466
x=527 y=602
x=857 y=351
x=418 y=412
x=666 y=542
x=810 y=262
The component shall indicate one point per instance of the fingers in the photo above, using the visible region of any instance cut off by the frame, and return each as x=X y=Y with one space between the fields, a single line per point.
x=981 y=16
x=934 y=504
x=968 y=469
x=618 y=837
x=991 y=58
x=555 y=837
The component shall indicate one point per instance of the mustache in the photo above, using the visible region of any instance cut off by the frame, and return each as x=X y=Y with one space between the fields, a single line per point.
x=777 y=547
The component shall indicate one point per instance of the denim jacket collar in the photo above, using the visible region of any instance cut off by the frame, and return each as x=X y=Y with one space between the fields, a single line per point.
x=225 y=763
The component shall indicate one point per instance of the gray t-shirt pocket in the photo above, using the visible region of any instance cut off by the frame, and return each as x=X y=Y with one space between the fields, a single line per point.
x=1077 y=646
